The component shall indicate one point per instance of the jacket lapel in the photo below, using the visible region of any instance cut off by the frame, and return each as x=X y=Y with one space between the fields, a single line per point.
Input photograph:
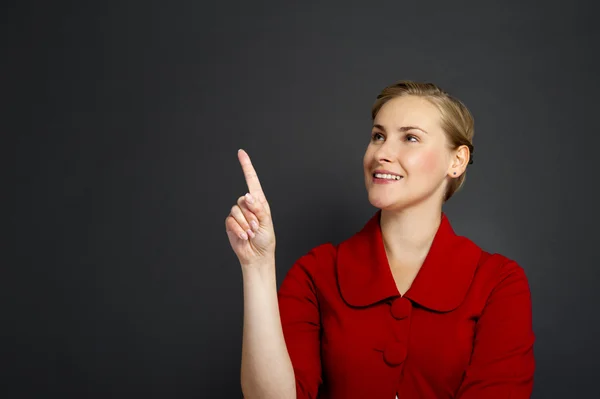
x=365 y=278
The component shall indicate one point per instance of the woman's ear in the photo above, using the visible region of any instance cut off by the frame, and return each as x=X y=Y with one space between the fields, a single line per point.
x=460 y=160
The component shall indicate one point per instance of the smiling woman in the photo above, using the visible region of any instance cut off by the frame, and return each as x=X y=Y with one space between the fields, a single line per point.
x=434 y=112
x=403 y=308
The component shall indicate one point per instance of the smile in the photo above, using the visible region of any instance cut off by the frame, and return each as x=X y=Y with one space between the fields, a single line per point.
x=386 y=179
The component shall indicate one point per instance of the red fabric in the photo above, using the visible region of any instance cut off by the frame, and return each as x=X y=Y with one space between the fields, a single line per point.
x=463 y=330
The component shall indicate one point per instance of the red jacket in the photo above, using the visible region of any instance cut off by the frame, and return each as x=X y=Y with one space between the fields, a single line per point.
x=463 y=330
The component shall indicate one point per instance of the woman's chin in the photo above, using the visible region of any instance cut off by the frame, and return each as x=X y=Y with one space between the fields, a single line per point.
x=382 y=202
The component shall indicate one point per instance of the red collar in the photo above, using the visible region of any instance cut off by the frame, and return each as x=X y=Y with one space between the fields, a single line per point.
x=365 y=277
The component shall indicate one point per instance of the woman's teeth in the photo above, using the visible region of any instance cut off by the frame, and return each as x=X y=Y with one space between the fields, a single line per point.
x=385 y=176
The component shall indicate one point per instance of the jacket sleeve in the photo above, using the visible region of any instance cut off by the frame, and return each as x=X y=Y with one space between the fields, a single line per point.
x=300 y=320
x=502 y=363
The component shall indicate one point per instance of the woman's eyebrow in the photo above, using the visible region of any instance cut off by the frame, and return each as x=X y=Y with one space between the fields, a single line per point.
x=402 y=129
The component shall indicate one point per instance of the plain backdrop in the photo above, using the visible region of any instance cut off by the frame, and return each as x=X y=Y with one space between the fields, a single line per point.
x=120 y=127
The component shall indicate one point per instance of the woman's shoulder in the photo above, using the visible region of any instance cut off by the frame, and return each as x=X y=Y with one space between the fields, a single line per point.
x=312 y=270
x=497 y=268
x=317 y=257
x=326 y=249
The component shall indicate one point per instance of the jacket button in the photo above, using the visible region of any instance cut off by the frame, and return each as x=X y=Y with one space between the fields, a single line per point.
x=394 y=353
x=401 y=308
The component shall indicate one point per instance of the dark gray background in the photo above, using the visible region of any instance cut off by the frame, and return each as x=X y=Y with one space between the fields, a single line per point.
x=121 y=123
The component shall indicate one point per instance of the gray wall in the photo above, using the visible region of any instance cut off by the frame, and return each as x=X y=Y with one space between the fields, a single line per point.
x=124 y=118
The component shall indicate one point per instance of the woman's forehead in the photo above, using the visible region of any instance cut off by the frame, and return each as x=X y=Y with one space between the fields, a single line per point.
x=408 y=111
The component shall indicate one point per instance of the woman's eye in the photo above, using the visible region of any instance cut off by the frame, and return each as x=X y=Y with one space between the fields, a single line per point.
x=374 y=135
x=408 y=137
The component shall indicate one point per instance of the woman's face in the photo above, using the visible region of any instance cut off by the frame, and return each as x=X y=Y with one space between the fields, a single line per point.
x=407 y=140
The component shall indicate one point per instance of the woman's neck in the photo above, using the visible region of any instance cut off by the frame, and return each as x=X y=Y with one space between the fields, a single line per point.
x=408 y=234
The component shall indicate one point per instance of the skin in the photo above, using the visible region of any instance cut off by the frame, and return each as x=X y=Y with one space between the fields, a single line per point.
x=266 y=369
x=411 y=208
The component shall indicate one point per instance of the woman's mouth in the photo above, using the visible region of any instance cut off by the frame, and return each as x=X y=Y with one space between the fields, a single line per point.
x=385 y=179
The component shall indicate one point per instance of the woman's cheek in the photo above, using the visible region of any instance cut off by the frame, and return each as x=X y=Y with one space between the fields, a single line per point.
x=426 y=161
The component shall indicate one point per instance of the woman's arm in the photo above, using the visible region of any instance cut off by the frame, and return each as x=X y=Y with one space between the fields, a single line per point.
x=281 y=355
x=266 y=366
x=502 y=363
x=301 y=318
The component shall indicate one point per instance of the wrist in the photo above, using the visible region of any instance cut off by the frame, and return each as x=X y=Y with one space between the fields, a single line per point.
x=265 y=266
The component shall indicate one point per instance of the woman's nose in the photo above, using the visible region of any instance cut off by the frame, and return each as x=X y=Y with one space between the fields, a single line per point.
x=386 y=152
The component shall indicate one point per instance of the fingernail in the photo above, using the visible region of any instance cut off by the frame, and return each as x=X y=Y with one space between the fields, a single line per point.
x=243 y=236
x=254 y=225
x=251 y=233
x=249 y=198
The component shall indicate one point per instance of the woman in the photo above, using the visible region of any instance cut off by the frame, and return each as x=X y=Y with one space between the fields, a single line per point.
x=405 y=307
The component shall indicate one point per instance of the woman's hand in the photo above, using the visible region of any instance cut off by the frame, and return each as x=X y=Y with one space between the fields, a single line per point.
x=249 y=224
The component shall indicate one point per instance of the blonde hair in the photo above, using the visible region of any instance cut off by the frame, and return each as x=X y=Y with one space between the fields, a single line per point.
x=456 y=120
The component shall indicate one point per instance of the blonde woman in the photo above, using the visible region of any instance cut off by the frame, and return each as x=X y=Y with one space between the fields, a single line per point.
x=405 y=308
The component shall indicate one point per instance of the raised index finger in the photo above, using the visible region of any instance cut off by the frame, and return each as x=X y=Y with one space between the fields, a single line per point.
x=252 y=181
